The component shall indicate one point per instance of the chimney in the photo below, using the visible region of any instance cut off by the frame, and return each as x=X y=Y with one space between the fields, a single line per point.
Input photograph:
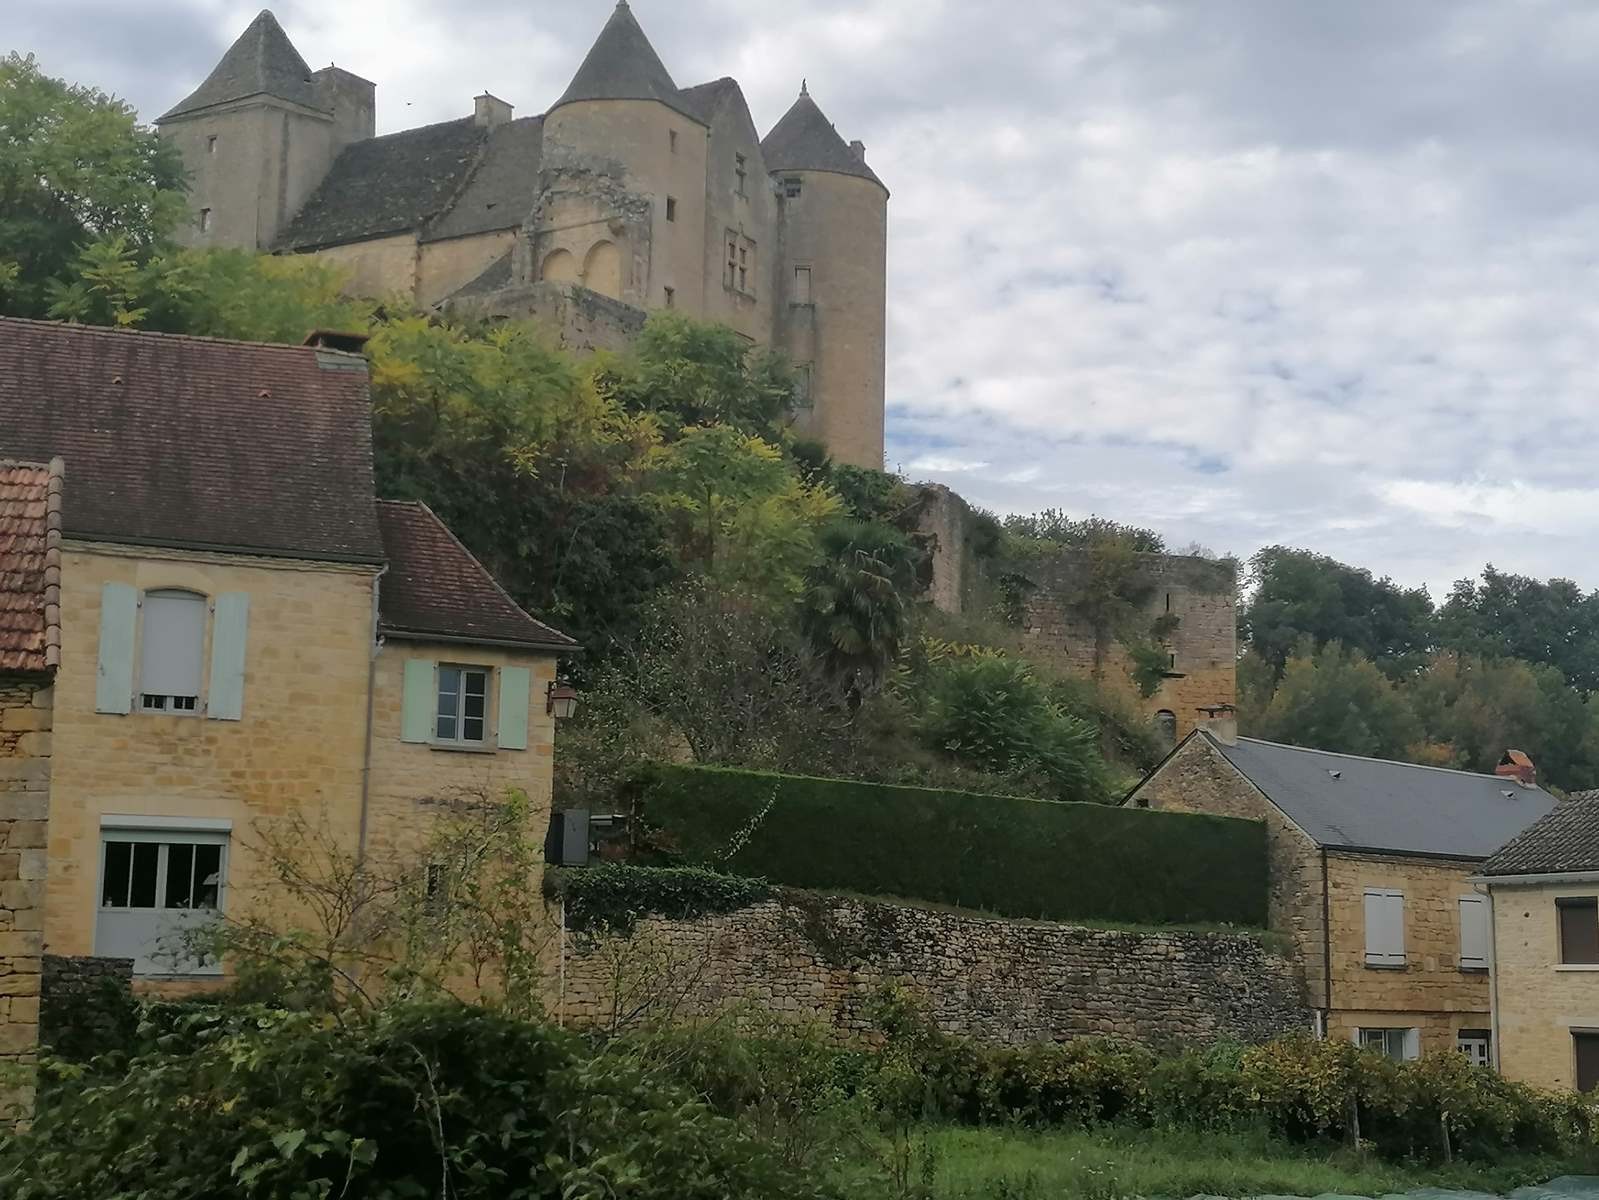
x=1221 y=722
x=489 y=111
x=1516 y=765
x=860 y=149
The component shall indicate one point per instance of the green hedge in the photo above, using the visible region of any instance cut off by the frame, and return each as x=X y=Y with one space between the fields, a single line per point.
x=1001 y=854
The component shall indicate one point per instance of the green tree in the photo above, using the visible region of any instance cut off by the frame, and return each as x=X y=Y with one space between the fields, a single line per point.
x=1512 y=616
x=75 y=167
x=1056 y=529
x=1336 y=699
x=1295 y=594
x=855 y=606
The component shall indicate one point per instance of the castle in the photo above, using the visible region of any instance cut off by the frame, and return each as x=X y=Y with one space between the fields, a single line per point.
x=629 y=194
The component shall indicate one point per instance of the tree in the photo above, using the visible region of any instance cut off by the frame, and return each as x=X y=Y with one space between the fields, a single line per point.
x=855 y=606
x=1512 y=616
x=1336 y=699
x=75 y=167
x=1058 y=529
x=1297 y=594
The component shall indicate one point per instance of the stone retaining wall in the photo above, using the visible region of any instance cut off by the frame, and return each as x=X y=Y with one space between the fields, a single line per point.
x=24 y=806
x=822 y=958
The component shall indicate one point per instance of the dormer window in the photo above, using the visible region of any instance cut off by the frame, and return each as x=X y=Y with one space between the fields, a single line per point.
x=173 y=651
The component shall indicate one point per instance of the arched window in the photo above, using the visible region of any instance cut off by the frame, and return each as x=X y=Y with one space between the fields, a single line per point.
x=602 y=270
x=172 y=652
x=559 y=267
x=1166 y=727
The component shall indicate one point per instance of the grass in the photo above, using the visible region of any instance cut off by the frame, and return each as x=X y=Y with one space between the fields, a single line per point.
x=1108 y=1164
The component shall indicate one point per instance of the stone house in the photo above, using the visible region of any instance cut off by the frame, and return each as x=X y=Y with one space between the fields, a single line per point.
x=1543 y=892
x=1371 y=865
x=30 y=651
x=243 y=638
x=628 y=194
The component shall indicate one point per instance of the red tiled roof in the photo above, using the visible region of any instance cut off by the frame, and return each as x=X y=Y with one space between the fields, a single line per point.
x=436 y=589
x=196 y=442
x=30 y=535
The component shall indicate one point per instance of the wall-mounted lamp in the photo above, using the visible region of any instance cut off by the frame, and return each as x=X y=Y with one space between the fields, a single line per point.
x=560 y=701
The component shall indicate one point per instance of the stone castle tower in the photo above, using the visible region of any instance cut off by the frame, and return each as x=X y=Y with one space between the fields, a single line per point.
x=629 y=194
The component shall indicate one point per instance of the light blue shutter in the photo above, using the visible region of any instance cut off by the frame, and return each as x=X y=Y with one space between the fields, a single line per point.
x=515 y=685
x=1474 y=937
x=119 y=614
x=416 y=705
x=225 y=696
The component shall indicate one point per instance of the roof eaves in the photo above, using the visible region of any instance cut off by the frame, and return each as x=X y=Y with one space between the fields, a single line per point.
x=120 y=539
x=403 y=633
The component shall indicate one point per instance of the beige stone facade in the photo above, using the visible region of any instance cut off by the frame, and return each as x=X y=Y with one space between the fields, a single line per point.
x=1540 y=1001
x=1318 y=898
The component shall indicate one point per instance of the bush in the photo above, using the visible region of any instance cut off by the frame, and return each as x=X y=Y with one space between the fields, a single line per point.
x=419 y=1100
x=613 y=896
x=1014 y=857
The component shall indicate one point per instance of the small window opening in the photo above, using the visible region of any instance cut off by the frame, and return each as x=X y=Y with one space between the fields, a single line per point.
x=205 y=220
x=741 y=174
x=802 y=381
x=791 y=187
x=671 y=297
x=802 y=285
x=671 y=139
x=671 y=208
x=1168 y=602
x=211 y=144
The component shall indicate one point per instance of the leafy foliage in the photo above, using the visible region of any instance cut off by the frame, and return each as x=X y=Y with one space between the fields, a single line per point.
x=1335 y=699
x=613 y=896
x=1059 y=861
x=1551 y=623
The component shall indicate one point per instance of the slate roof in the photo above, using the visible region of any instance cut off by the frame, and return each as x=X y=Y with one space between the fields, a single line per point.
x=195 y=442
x=706 y=98
x=387 y=184
x=263 y=60
x=499 y=193
x=1346 y=802
x=435 y=588
x=1567 y=839
x=622 y=65
x=30 y=566
x=805 y=140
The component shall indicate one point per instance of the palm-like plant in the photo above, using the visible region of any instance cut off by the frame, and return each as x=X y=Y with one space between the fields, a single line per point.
x=854 y=610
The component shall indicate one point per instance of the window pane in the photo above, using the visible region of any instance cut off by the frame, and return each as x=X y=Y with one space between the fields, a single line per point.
x=1579 y=930
x=472 y=729
x=447 y=703
x=449 y=680
x=1587 y=1048
x=145 y=857
x=207 y=876
x=445 y=730
x=180 y=876
x=474 y=706
x=118 y=861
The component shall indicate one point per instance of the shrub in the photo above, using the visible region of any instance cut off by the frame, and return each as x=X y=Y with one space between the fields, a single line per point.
x=1002 y=854
x=418 y=1100
x=613 y=896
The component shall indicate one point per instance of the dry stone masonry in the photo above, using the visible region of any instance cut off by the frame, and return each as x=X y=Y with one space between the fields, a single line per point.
x=822 y=959
x=24 y=803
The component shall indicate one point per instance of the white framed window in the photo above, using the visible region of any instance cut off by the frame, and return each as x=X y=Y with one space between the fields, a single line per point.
x=1476 y=1045
x=172 y=651
x=461 y=715
x=1401 y=1045
x=802 y=285
x=1385 y=927
x=156 y=885
x=1474 y=938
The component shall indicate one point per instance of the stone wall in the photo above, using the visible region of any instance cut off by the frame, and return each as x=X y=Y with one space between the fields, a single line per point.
x=80 y=989
x=822 y=958
x=25 y=713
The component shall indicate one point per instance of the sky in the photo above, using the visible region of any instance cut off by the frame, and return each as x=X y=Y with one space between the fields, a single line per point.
x=1249 y=272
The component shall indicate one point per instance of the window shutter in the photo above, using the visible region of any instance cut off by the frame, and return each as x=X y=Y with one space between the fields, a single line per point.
x=1385 y=928
x=1473 y=931
x=515 y=686
x=417 y=702
x=119 y=613
x=225 y=696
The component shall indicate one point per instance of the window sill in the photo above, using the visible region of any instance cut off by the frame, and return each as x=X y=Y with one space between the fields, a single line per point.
x=1371 y=966
x=1577 y=967
x=463 y=748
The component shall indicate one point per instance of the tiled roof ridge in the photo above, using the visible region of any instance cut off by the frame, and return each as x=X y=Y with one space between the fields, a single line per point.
x=1387 y=762
x=422 y=506
x=112 y=331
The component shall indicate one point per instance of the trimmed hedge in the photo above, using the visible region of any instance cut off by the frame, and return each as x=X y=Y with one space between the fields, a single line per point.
x=1001 y=854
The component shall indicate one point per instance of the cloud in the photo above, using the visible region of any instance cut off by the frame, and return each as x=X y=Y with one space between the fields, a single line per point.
x=1249 y=272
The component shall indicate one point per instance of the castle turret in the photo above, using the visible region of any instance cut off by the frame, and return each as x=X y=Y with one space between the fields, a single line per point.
x=259 y=134
x=622 y=197
x=832 y=272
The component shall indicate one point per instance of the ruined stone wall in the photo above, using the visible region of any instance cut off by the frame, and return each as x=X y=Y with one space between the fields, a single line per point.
x=25 y=717
x=579 y=319
x=822 y=958
x=1199 y=594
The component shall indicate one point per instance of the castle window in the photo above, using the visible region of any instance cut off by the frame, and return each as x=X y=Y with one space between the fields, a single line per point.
x=739 y=274
x=802 y=381
x=802 y=285
x=671 y=208
x=741 y=174
x=743 y=268
x=211 y=144
x=671 y=139
x=205 y=220
x=671 y=297
x=791 y=187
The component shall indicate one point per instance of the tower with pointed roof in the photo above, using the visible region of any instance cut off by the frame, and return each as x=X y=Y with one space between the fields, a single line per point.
x=629 y=194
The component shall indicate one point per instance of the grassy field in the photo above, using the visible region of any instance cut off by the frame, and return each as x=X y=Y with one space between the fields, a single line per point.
x=1001 y=1164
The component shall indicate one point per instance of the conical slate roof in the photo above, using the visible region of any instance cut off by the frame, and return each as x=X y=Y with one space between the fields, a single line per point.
x=622 y=65
x=262 y=60
x=805 y=140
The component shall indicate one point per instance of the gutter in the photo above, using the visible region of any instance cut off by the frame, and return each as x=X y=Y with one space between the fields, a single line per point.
x=371 y=696
x=1573 y=877
x=414 y=635
x=1326 y=946
x=1493 y=975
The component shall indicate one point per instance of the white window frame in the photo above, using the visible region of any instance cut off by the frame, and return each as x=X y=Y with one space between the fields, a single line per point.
x=1380 y=955
x=488 y=740
x=153 y=958
x=1478 y=905
x=167 y=703
x=1477 y=1046
x=1406 y=1040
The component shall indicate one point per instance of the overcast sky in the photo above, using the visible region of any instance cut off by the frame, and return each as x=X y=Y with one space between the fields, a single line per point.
x=1317 y=272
